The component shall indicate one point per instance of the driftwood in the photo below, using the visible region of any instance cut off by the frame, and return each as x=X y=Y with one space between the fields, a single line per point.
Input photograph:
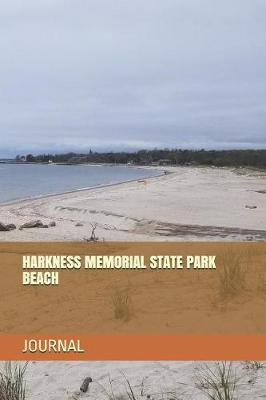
x=33 y=224
x=6 y=228
x=85 y=385
x=93 y=237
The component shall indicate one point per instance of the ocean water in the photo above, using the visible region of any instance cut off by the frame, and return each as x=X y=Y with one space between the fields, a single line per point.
x=21 y=181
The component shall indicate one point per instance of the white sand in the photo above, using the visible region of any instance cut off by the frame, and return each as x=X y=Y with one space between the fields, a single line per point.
x=161 y=380
x=188 y=204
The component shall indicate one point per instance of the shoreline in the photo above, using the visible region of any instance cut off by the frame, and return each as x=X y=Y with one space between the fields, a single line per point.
x=57 y=194
x=185 y=204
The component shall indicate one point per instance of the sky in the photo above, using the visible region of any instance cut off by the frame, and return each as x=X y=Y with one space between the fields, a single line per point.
x=125 y=75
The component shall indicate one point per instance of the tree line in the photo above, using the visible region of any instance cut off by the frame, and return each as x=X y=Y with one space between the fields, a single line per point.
x=219 y=158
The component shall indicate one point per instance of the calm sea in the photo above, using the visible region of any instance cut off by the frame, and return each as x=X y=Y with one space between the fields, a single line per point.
x=20 y=181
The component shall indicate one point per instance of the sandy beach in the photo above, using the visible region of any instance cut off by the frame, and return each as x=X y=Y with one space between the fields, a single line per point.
x=158 y=380
x=188 y=203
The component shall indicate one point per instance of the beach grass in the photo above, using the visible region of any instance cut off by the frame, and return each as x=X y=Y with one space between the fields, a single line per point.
x=121 y=300
x=232 y=275
x=217 y=380
x=12 y=382
x=255 y=365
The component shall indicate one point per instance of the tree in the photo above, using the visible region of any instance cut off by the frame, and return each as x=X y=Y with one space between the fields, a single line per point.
x=30 y=158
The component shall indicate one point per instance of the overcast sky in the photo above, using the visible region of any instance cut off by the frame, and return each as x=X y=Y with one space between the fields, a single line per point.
x=129 y=74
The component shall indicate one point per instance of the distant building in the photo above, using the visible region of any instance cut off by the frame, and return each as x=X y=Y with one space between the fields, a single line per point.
x=145 y=160
x=165 y=162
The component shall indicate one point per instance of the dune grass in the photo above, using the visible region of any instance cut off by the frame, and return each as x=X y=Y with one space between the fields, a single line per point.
x=232 y=275
x=121 y=301
x=255 y=365
x=217 y=380
x=128 y=392
x=125 y=390
x=12 y=383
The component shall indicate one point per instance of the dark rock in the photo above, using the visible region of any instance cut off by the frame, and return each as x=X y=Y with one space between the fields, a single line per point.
x=11 y=227
x=6 y=228
x=52 y=224
x=85 y=385
x=249 y=238
x=33 y=224
x=79 y=224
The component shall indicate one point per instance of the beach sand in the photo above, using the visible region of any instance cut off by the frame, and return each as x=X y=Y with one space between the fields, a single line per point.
x=159 y=380
x=189 y=203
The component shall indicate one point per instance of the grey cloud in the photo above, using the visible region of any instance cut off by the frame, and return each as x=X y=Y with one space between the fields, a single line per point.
x=109 y=74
